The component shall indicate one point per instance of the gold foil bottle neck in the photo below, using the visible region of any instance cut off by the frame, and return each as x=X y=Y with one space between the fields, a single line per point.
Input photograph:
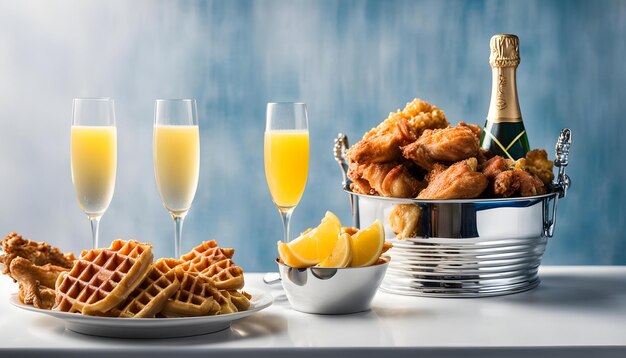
x=504 y=51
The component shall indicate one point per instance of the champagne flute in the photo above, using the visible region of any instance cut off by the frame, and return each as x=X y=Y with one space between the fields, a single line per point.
x=286 y=151
x=94 y=157
x=176 y=151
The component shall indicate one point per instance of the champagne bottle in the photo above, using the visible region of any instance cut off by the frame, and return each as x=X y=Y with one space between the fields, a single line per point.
x=504 y=133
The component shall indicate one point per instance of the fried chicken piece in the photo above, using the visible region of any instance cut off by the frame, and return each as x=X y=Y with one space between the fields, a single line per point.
x=495 y=166
x=383 y=146
x=35 y=266
x=505 y=184
x=537 y=163
x=46 y=274
x=510 y=182
x=459 y=181
x=382 y=143
x=387 y=179
x=39 y=253
x=530 y=184
x=359 y=185
x=36 y=283
x=437 y=169
x=448 y=145
x=404 y=220
x=37 y=295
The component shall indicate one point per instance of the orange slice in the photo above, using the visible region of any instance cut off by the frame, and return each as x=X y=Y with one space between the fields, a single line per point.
x=341 y=255
x=289 y=258
x=367 y=244
x=312 y=246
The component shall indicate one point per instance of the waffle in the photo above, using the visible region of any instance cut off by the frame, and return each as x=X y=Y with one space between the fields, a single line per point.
x=226 y=305
x=195 y=297
x=149 y=298
x=102 y=278
x=215 y=263
x=233 y=301
x=210 y=250
x=224 y=274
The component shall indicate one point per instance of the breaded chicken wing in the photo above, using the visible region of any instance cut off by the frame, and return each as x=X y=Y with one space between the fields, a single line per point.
x=517 y=182
x=459 y=181
x=495 y=166
x=382 y=146
x=36 y=283
x=387 y=179
x=39 y=253
x=448 y=145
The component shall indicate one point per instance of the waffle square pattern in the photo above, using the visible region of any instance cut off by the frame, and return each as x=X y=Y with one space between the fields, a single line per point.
x=102 y=278
x=149 y=298
x=215 y=263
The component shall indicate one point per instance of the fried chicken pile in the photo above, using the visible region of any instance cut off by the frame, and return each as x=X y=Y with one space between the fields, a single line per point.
x=414 y=153
x=35 y=266
x=377 y=164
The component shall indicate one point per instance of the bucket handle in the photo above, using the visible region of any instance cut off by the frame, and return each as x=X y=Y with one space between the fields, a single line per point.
x=339 y=152
x=561 y=183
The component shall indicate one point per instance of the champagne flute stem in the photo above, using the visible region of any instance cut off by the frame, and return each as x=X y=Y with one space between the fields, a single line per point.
x=178 y=233
x=95 y=228
x=285 y=214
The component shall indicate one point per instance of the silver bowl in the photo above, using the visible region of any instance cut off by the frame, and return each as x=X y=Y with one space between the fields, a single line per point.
x=331 y=290
x=466 y=248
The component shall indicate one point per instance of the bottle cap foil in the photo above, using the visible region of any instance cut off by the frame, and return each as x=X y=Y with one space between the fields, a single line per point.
x=504 y=51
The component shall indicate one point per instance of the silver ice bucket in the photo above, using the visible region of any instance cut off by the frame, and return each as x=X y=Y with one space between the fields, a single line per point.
x=465 y=248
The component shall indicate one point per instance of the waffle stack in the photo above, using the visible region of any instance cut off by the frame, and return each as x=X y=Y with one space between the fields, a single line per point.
x=122 y=281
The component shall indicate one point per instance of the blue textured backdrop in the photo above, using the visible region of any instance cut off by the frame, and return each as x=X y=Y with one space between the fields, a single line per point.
x=352 y=62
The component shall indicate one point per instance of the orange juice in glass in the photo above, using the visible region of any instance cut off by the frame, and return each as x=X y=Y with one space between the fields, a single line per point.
x=286 y=152
x=176 y=152
x=94 y=157
x=286 y=165
x=177 y=165
x=94 y=165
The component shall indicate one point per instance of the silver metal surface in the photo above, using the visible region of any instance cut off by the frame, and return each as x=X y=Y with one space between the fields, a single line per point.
x=339 y=152
x=469 y=248
x=329 y=290
x=271 y=278
x=562 y=181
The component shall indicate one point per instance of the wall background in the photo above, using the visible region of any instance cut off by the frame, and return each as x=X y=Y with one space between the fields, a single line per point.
x=352 y=62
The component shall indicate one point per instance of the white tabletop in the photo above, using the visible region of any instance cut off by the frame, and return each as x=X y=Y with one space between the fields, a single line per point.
x=576 y=311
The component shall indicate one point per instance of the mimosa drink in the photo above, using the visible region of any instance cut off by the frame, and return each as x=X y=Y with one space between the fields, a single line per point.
x=177 y=164
x=94 y=165
x=286 y=165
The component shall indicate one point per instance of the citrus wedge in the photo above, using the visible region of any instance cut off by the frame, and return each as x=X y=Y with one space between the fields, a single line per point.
x=341 y=255
x=367 y=244
x=289 y=258
x=312 y=246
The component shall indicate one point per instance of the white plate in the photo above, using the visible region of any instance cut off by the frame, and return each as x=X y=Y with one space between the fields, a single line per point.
x=150 y=327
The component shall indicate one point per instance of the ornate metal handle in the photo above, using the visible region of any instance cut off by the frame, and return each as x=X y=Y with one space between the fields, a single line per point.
x=561 y=183
x=339 y=151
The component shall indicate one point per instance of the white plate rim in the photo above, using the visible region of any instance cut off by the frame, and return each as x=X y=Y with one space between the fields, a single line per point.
x=260 y=301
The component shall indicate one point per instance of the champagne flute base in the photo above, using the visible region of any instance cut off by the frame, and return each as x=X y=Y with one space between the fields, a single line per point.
x=285 y=215
x=178 y=232
x=95 y=230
